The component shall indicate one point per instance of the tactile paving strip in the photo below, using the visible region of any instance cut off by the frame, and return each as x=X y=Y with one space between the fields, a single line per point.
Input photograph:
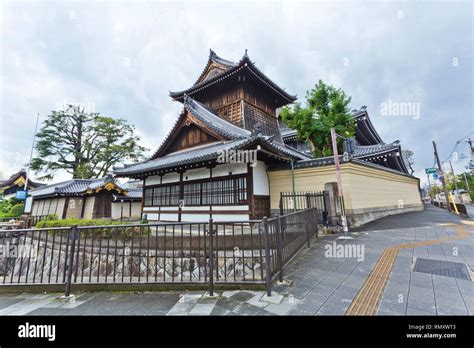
x=367 y=300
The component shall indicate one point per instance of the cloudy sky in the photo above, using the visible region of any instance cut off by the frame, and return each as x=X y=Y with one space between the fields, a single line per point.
x=122 y=58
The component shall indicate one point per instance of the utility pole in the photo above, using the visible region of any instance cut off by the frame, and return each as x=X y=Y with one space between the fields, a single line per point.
x=429 y=185
x=31 y=156
x=465 y=180
x=454 y=177
x=443 y=180
x=339 y=184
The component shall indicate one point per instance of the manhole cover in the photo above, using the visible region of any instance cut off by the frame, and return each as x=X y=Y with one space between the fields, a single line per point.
x=442 y=268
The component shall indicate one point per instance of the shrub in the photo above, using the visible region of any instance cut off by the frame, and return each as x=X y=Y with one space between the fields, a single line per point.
x=118 y=233
x=472 y=195
x=17 y=210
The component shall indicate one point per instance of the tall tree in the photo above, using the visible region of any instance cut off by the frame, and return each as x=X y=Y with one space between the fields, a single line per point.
x=326 y=107
x=86 y=145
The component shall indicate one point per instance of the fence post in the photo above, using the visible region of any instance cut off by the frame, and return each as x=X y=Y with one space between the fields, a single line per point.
x=211 y=257
x=314 y=220
x=307 y=222
x=279 y=248
x=268 y=274
x=73 y=233
x=281 y=203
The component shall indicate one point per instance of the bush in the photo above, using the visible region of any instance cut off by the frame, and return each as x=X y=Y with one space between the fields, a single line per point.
x=472 y=196
x=17 y=210
x=122 y=233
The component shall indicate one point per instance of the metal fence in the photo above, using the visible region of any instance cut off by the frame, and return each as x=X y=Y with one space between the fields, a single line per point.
x=236 y=252
x=291 y=202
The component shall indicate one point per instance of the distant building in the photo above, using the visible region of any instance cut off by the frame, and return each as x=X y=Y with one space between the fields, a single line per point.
x=16 y=182
x=366 y=145
x=83 y=199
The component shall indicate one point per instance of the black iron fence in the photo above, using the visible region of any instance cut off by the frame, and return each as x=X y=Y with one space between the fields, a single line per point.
x=291 y=202
x=237 y=252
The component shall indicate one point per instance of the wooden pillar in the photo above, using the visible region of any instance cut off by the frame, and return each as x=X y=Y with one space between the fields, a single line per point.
x=250 y=190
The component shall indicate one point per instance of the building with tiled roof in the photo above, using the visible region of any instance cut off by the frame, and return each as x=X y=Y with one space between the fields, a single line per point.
x=82 y=198
x=16 y=182
x=366 y=145
x=231 y=110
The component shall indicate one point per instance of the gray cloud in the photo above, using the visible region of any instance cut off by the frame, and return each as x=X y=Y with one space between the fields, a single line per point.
x=123 y=58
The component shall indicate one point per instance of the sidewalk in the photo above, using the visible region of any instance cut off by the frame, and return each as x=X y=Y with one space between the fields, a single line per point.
x=321 y=285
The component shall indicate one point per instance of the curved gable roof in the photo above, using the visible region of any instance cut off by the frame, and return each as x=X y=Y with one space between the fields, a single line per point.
x=244 y=63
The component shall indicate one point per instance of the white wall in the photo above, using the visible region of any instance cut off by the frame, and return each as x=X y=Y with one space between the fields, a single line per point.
x=260 y=179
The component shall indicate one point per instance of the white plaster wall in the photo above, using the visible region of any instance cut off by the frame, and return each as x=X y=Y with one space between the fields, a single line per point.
x=230 y=207
x=89 y=207
x=224 y=169
x=260 y=179
x=195 y=174
x=169 y=217
x=60 y=208
x=152 y=180
x=152 y=217
x=215 y=217
x=116 y=209
x=136 y=210
x=201 y=207
x=170 y=177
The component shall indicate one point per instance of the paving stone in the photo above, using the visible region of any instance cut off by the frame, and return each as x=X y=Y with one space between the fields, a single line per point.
x=202 y=308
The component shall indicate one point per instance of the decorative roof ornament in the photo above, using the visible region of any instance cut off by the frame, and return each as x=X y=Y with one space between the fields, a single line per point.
x=257 y=129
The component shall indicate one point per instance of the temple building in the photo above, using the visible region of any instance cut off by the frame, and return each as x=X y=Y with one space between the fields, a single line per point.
x=230 y=108
x=16 y=182
x=86 y=199
x=366 y=145
x=228 y=156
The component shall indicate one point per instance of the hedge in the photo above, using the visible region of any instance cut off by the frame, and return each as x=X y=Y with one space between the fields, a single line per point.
x=122 y=232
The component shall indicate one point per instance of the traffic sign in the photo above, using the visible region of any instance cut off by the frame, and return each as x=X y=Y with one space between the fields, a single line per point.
x=431 y=170
x=435 y=175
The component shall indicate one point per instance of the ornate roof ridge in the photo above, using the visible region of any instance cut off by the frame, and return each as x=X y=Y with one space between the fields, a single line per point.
x=244 y=63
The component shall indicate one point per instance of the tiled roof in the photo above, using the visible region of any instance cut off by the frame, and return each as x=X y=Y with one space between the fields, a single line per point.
x=74 y=187
x=213 y=121
x=213 y=57
x=14 y=177
x=132 y=195
x=206 y=152
x=208 y=118
x=244 y=63
x=371 y=150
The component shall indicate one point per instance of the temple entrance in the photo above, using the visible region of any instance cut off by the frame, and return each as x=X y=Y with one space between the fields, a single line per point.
x=103 y=205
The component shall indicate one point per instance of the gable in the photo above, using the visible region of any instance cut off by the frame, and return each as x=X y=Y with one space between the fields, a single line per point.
x=190 y=136
x=213 y=69
x=187 y=133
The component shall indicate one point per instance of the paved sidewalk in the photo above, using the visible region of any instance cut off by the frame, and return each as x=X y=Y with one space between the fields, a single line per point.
x=321 y=285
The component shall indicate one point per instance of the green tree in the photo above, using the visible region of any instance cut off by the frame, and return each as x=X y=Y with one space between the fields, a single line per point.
x=326 y=107
x=434 y=190
x=86 y=145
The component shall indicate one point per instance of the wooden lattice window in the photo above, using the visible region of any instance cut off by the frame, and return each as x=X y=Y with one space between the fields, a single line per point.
x=268 y=124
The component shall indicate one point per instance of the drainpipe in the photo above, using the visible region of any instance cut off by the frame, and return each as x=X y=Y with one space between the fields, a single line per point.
x=293 y=183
